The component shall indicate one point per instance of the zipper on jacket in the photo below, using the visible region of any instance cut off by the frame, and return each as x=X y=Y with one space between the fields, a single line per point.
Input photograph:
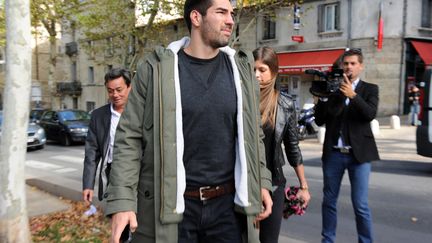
x=161 y=154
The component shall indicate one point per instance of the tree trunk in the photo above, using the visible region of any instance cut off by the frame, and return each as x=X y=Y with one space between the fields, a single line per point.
x=13 y=215
x=51 y=70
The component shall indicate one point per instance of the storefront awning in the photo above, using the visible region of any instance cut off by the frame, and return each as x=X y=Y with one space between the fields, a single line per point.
x=424 y=49
x=298 y=62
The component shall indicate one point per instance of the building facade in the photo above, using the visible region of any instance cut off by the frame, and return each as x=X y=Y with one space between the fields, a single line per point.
x=310 y=38
x=329 y=27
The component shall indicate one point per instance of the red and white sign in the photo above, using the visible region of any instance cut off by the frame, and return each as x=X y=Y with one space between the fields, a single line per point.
x=297 y=38
x=322 y=68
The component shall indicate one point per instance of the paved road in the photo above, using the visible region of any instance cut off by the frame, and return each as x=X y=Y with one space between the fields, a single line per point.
x=56 y=159
x=400 y=194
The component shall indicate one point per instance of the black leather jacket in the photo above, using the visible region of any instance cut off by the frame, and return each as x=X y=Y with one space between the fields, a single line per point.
x=286 y=132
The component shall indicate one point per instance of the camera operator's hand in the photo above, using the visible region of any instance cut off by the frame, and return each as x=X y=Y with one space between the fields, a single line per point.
x=346 y=88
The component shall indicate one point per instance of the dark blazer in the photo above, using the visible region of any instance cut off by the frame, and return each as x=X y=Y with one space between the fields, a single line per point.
x=361 y=110
x=286 y=132
x=96 y=148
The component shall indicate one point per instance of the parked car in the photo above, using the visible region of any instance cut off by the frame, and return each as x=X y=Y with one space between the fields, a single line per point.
x=66 y=126
x=36 y=114
x=35 y=134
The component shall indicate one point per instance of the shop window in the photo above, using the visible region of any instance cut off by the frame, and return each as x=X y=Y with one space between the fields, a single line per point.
x=294 y=85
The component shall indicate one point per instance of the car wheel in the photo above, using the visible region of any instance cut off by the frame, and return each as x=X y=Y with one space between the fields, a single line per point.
x=65 y=140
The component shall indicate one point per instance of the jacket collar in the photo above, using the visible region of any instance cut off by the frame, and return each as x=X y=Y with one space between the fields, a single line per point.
x=185 y=41
x=359 y=86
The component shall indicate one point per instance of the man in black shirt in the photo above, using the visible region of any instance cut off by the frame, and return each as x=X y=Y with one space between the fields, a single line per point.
x=209 y=125
x=191 y=161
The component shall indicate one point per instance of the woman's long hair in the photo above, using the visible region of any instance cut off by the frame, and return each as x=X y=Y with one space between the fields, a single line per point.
x=268 y=94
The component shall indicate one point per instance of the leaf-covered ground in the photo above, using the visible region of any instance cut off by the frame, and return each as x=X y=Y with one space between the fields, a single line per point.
x=71 y=226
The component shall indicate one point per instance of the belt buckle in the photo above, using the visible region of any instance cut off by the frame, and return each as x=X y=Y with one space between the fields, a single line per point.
x=201 y=189
x=344 y=150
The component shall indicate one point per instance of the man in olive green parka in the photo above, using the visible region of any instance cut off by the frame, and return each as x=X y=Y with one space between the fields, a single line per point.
x=148 y=179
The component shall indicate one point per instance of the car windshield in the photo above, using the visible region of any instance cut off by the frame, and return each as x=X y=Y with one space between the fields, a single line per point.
x=36 y=114
x=73 y=115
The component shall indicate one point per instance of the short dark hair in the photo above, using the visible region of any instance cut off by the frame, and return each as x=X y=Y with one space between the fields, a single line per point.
x=116 y=73
x=353 y=52
x=199 y=5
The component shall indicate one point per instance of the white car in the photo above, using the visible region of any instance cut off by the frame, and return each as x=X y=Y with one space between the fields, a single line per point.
x=35 y=134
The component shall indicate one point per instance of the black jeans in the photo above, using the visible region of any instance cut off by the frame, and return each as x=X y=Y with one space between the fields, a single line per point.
x=270 y=227
x=211 y=221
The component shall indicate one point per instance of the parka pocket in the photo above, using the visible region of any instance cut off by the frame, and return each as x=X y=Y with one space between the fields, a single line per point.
x=148 y=118
x=146 y=208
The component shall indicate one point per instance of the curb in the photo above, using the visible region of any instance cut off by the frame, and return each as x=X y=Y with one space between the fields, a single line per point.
x=47 y=184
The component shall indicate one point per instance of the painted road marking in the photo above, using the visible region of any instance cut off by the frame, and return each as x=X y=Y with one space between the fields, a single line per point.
x=70 y=159
x=65 y=170
x=41 y=165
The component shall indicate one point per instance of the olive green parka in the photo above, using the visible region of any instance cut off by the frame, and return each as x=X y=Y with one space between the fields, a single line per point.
x=147 y=174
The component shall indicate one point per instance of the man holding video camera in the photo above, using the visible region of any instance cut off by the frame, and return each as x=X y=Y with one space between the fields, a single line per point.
x=349 y=145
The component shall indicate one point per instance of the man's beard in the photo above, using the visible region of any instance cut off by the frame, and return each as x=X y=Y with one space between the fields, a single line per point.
x=213 y=38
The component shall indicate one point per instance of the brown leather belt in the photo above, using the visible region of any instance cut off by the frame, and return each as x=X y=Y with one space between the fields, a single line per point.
x=208 y=192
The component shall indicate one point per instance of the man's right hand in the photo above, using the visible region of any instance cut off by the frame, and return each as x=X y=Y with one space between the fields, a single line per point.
x=88 y=195
x=119 y=222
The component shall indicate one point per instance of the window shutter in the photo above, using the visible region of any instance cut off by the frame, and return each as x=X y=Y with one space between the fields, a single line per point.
x=337 y=17
x=321 y=21
x=426 y=14
x=272 y=27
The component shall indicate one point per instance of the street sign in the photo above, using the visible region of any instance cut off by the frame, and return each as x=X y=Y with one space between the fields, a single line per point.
x=297 y=38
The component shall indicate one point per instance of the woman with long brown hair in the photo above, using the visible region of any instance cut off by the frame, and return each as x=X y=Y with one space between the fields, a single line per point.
x=279 y=120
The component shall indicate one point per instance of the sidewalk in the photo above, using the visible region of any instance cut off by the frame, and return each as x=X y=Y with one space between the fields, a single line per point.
x=40 y=203
x=396 y=148
x=393 y=144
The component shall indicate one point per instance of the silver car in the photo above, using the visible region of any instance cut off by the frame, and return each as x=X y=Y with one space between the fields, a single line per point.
x=36 y=137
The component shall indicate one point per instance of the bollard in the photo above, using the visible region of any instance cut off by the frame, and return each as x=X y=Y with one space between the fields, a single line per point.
x=375 y=127
x=394 y=122
x=321 y=135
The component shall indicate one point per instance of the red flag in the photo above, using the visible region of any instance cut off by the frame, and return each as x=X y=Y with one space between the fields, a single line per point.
x=380 y=28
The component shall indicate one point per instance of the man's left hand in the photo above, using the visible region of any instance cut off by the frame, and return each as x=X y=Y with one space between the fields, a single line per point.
x=346 y=88
x=267 y=205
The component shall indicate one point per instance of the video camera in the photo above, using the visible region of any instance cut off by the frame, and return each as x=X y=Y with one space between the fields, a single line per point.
x=328 y=84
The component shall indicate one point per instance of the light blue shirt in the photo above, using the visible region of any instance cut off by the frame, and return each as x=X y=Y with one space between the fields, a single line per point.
x=340 y=144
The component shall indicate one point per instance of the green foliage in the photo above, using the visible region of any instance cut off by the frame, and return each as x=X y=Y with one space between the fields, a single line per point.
x=50 y=13
x=139 y=22
x=128 y=24
x=101 y=19
x=257 y=8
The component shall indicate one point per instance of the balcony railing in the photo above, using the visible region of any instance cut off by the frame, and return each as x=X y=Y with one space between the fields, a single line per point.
x=69 y=88
x=71 y=48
